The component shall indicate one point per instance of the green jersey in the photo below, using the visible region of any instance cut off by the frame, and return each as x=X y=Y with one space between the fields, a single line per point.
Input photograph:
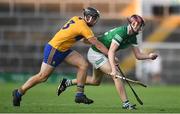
x=119 y=35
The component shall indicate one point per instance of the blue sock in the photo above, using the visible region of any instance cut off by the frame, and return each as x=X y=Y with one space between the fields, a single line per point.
x=79 y=94
x=18 y=94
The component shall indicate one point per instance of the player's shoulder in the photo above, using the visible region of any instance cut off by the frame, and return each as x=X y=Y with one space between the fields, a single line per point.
x=77 y=18
x=122 y=28
x=79 y=21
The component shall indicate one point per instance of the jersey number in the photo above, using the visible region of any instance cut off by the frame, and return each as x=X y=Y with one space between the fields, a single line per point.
x=68 y=24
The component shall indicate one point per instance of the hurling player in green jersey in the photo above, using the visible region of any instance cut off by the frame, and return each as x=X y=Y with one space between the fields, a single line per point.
x=115 y=39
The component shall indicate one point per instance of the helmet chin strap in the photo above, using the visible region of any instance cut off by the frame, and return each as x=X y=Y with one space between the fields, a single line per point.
x=88 y=20
x=134 y=32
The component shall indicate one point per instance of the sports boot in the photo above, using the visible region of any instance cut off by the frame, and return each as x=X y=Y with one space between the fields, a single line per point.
x=83 y=99
x=62 y=86
x=129 y=106
x=16 y=98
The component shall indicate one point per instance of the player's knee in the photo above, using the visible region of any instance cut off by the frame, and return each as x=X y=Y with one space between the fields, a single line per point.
x=95 y=82
x=43 y=77
x=83 y=65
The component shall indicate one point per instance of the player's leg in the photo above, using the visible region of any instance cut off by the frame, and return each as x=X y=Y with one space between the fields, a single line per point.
x=96 y=59
x=119 y=86
x=42 y=76
x=93 y=58
x=93 y=80
x=118 y=82
x=52 y=58
x=96 y=79
x=101 y=66
x=78 y=61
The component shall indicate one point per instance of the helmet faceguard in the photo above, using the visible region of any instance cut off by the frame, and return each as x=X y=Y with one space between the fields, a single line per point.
x=136 y=23
x=91 y=16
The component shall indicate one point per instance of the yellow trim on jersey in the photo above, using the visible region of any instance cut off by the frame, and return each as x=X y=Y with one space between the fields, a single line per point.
x=70 y=33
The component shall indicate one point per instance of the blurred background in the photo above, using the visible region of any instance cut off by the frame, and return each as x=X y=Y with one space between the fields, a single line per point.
x=27 y=25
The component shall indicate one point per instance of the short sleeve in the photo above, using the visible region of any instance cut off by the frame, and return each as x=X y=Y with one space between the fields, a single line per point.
x=117 y=38
x=87 y=32
x=115 y=42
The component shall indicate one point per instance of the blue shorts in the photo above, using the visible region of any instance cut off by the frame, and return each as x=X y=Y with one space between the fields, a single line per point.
x=54 y=57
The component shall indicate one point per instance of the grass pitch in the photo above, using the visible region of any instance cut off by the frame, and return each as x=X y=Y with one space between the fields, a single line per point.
x=43 y=98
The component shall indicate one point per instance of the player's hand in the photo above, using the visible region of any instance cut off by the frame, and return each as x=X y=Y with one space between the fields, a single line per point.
x=113 y=73
x=153 y=56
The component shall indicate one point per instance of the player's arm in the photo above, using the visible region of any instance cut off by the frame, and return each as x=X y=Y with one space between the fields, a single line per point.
x=111 y=55
x=99 y=45
x=89 y=35
x=142 y=56
x=85 y=41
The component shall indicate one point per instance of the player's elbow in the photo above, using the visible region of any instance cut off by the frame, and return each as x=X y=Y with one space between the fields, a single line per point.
x=139 y=58
x=92 y=41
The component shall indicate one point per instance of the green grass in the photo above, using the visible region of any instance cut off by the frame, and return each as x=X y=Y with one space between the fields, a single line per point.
x=43 y=98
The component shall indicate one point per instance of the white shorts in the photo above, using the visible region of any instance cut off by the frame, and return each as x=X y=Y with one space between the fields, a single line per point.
x=96 y=59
